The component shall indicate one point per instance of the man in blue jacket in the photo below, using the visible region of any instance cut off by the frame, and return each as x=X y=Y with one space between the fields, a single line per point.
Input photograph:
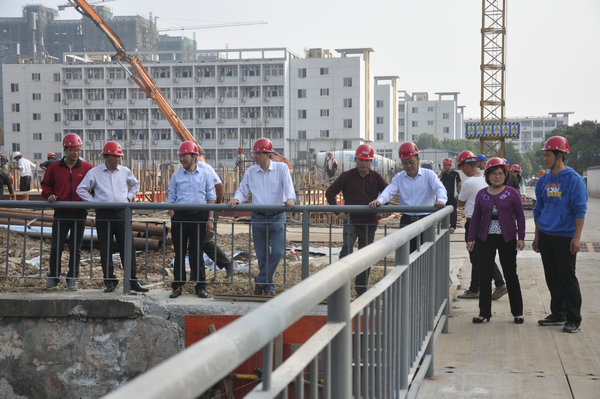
x=559 y=215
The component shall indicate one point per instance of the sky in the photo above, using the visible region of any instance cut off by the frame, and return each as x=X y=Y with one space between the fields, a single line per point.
x=552 y=52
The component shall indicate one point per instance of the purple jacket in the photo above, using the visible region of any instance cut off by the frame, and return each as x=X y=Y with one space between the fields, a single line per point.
x=509 y=205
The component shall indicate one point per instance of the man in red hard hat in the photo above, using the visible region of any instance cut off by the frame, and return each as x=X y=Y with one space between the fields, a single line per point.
x=111 y=182
x=331 y=165
x=415 y=186
x=359 y=186
x=270 y=183
x=190 y=185
x=451 y=180
x=240 y=163
x=60 y=184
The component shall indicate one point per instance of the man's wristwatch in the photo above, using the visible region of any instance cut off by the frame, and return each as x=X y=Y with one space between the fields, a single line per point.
x=211 y=219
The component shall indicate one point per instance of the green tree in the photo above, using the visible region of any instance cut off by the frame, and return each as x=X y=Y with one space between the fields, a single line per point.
x=427 y=140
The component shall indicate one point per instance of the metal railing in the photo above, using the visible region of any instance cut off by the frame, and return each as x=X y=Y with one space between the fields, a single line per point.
x=396 y=324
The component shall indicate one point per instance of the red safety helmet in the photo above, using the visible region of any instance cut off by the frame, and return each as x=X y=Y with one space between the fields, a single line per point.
x=464 y=156
x=495 y=161
x=556 y=143
x=408 y=150
x=188 y=147
x=112 y=148
x=364 y=151
x=515 y=168
x=72 y=140
x=447 y=161
x=329 y=153
x=240 y=150
x=50 y=155
x=262 y=145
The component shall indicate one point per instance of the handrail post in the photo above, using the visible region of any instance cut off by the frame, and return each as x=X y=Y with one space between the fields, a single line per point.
x=305 y=242
x=127 y=255
x=338 y=310
x=403 y=258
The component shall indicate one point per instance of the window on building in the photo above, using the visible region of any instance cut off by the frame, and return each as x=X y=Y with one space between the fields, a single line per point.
x=15 y=107
x=429 y=109
x=549 y=123
x=379 y=120
x=347 y=103
x=16 y=147
x=401 y=108
x=37 y=116
x=301 y=93
x=347 y=123
x=446 y=130
x=57 y=97
x=429 y=123
x=302 y=155
x=415 y=110
x=526 y=124
x=301 y=114
x=347 y=144
x=56 y=77
x=415 y=124
x=37 y=156
x=538 y=123
x=379 y=104
x=36 y=96
x=559 y=123
x=401 y=121
x=538 y=134
x=57 y=137
x=16 y=127
x=301 y=72
x=57 y=117
x=347 y=82
x=324 y=71
x=14 y=87
x=37 y=136
x=301 y=134
x=446 y=115
x=324 y=133
x=324 y=92
x=35 y=76
x=379 y=136
x=324 y=112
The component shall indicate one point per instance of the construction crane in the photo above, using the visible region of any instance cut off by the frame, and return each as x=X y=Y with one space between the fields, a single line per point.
x=210 y=26
x=94 y=3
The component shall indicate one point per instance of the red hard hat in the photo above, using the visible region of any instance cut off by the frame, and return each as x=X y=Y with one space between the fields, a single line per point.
x=112 y=148
x=465 y=155
x=364 y=151
x=447 y=161
x=329 y=153
x=515 y=168
x=263 y=145
x=188 y=147
x=240 y=150
x=71 y=140
x=408 y=150
x=556 y=143
x=495 y=161
x=50 y=155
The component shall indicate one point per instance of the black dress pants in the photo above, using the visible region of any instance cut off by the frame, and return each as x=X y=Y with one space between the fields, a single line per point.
x=111 y=224
x=65 y=222
x=188 y=230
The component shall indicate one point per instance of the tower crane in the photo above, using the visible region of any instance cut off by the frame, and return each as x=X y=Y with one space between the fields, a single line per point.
x=210 y=26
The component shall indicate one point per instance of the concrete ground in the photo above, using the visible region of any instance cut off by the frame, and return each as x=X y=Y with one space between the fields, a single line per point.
x=501 y=359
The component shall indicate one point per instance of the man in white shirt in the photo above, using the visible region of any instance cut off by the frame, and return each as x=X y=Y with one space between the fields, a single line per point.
x=415 y=186
x=111 y=182
x=475 y=182
x=25 y=168
x=270 y=183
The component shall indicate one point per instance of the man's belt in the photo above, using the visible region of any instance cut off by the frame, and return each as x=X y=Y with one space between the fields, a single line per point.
x=269 y=213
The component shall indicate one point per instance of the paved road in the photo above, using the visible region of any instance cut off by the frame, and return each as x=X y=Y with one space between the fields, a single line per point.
x=503 y=360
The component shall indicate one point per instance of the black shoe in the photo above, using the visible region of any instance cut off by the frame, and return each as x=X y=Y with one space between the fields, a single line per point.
x=175 y=293
x=135 y=286
x=229 y=269
x=519 y=320
x=110 y=287
x=480 y=319
x=201 y=293
x=552 y=320
x=571 y=327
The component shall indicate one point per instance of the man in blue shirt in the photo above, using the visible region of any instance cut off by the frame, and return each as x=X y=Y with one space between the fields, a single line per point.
x=559 y=214
x=190 y=185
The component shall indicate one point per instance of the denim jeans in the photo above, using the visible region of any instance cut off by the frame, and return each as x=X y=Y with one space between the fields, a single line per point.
x=268 y=235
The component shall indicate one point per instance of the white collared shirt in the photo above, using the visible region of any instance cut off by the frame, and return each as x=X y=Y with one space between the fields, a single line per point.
x=119 y=185
x=271 y=187
x=422 y=190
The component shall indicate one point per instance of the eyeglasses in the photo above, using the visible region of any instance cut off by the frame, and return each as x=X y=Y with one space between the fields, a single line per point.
x=497 y=174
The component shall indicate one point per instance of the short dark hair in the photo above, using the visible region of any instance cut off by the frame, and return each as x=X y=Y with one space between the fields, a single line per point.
x=493 y=168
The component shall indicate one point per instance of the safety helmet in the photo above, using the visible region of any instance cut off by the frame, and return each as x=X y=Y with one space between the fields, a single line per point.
x=364 y=151
x=481 y=158
x=188 y=147
x=515 y=168
x=556 y=143
x=495 y=161
x=17 y=154
x=262 y=145
x=408 y=150
x=112 y=148
x=71 y=140
x=505 y=161
x=329 y=153
x=50 y=155
x=464 y=156
x=240 y=150
x=447 y=161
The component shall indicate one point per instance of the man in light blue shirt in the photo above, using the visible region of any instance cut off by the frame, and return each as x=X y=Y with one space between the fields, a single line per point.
x=415 y=186
x=270 y=183
x=190 y=185
x=111 y=182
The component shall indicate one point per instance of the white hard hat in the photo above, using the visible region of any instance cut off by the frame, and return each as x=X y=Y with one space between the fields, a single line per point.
x=16 y=154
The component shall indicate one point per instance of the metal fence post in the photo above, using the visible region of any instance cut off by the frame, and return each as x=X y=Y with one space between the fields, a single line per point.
x=305 y=242
x=338 y=310
x=403 y=258
x=127 y=255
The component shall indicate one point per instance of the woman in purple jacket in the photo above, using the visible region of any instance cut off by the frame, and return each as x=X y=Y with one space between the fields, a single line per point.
x=493 y=225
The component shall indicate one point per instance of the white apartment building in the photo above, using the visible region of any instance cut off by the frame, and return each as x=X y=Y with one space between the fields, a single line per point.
x=534 y=129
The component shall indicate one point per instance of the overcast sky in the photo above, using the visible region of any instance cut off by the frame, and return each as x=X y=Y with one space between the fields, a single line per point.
x=552 y=50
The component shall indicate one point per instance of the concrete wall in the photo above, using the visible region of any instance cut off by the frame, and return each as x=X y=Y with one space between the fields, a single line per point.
x=593 y=181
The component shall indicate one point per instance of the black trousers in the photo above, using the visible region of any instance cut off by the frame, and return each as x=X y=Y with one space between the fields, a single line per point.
x=507 y=251
x=216 y=254
x=365 y=233
x=559 y=270
x=188 y=230
x=405 y=220
x=454 y=215
x=475 y=265
x=63 y=224
x=111 y=224
x=25 y=183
